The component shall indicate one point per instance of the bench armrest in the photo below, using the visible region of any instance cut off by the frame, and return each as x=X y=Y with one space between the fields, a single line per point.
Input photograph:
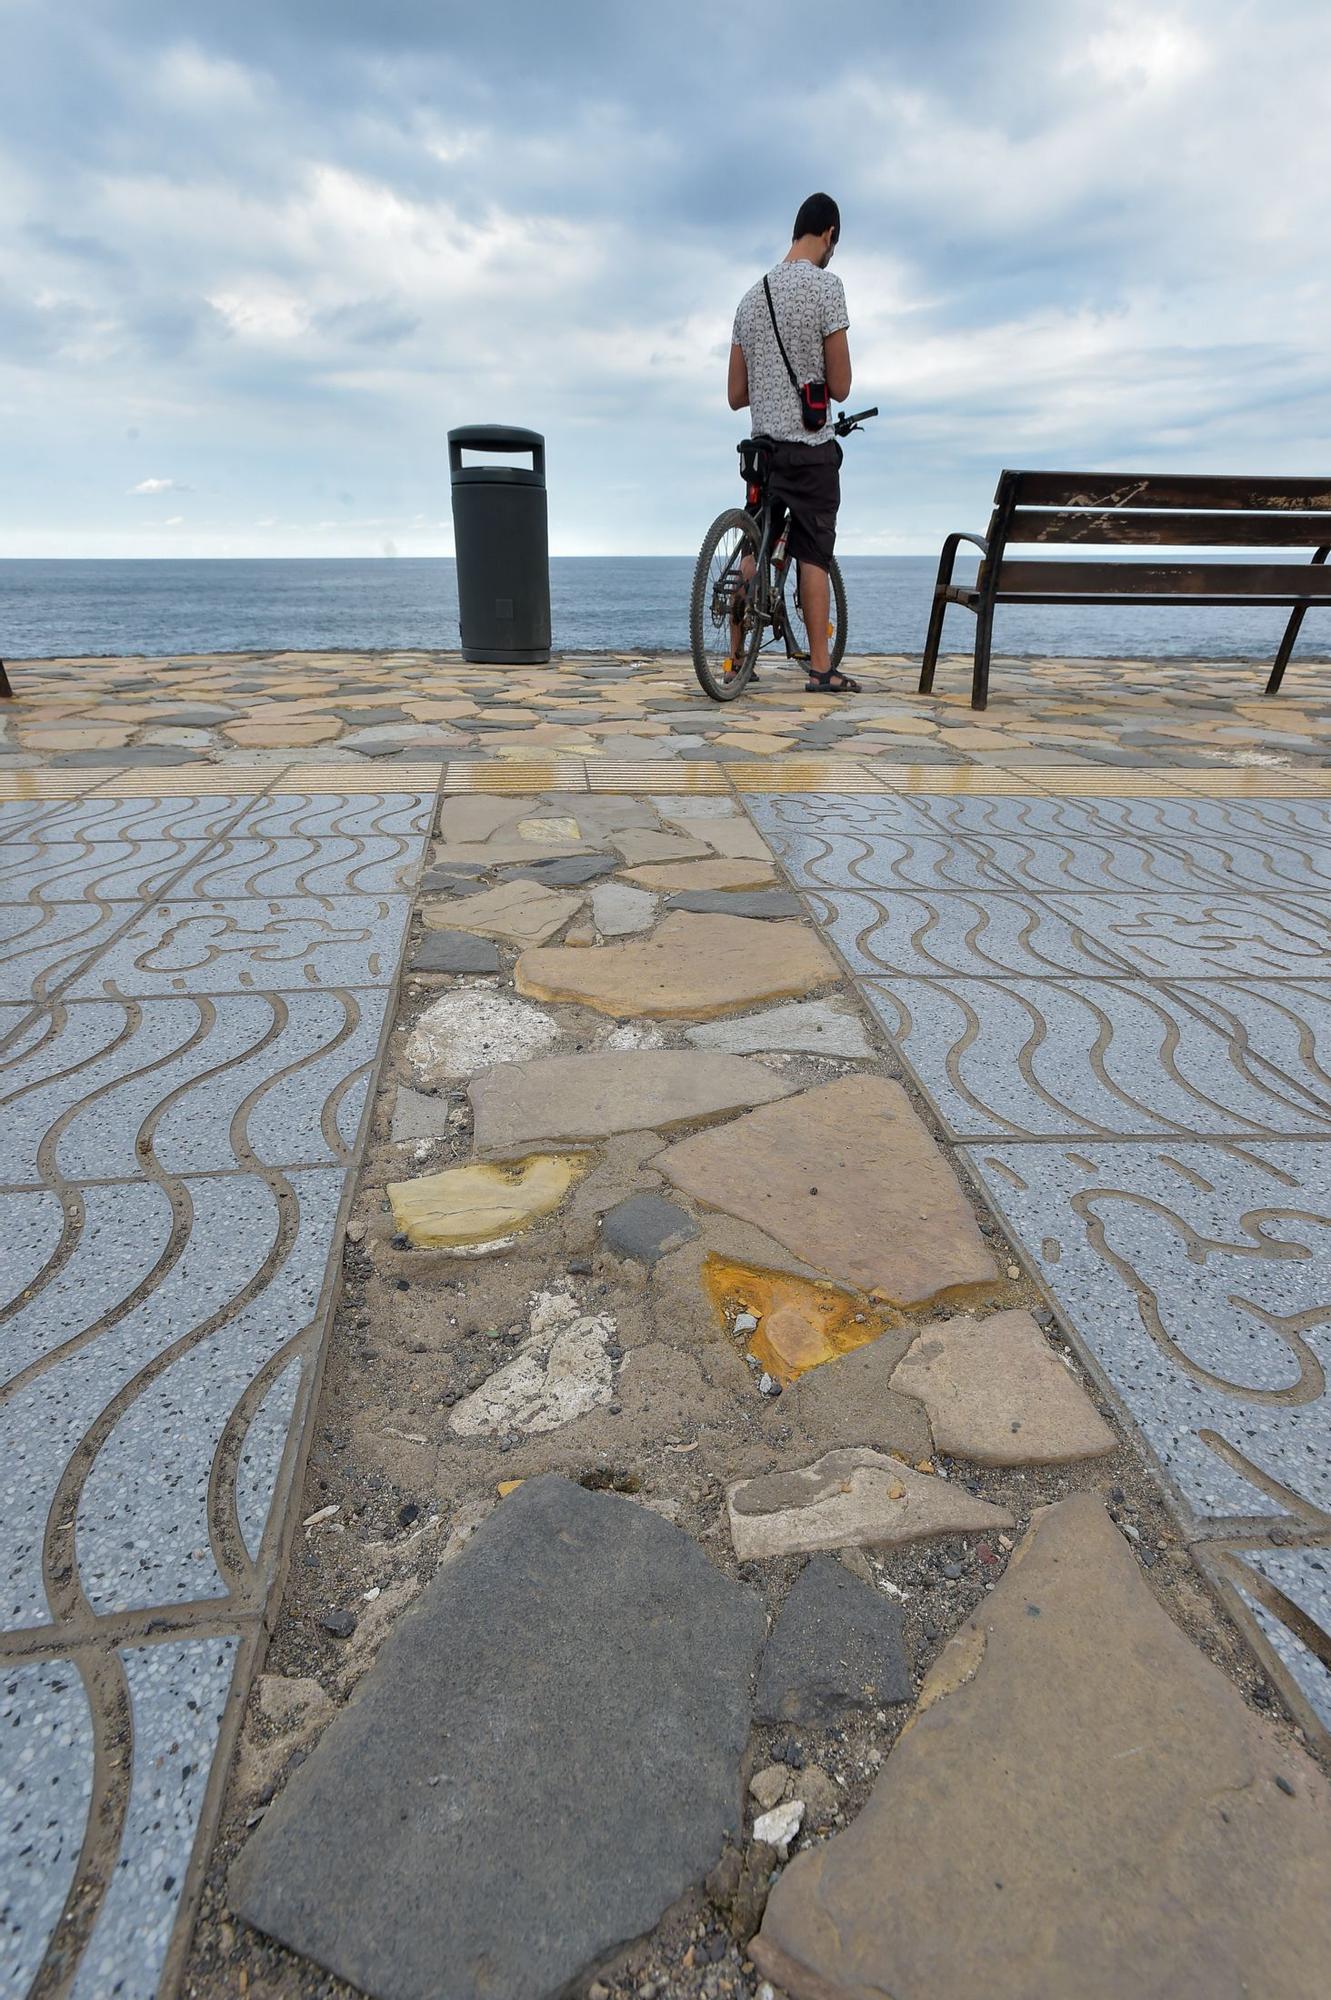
x=947 y=561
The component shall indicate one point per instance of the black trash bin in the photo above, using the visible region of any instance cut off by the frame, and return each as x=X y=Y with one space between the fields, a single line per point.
x=502 y=545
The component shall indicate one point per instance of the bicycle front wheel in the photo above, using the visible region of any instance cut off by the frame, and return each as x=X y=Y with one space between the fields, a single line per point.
x=797 y=633
x=724 y=627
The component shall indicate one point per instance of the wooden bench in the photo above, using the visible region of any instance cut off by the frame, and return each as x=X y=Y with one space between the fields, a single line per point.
x=1153 y=510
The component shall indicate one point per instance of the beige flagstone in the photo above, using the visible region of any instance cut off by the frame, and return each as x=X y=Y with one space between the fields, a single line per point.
x=720 y=874
x=522 y=1107
x=1081 y=1805
x=479 y=1204
x=996 y=1393
x=854 y=1498
x=525 y=913
x=848 y=1178
x=691 y=967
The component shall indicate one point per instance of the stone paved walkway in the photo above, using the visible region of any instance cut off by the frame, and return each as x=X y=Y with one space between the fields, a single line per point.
x=195 y=992
x=1093 y=924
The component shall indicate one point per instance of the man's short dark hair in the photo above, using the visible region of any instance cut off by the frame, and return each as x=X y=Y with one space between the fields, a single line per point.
x=817 y=214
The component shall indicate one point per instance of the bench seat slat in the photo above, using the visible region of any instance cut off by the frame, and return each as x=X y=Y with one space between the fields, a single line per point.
x=1234 y=583
x=1089 y=526
x=1195 y=490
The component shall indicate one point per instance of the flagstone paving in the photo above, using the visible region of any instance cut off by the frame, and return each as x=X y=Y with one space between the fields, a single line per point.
x=1083 y=935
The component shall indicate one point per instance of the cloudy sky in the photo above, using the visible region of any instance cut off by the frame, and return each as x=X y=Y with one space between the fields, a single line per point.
x=257 y=257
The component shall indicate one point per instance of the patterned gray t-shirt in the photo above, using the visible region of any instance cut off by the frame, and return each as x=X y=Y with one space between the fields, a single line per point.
x=809 y=304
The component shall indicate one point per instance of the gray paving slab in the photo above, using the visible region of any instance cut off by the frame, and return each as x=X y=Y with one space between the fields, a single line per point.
x=142 y=1530
x=837 y=857
x=403 y=816
x=180 y=1084
x=46 y=1766
x=1189 y=1269
x=172 y=1159
x=571 y=1619
x=177 y=1692
x=837 y=1646
x=64 y=871
x=186 y=817
x=1302 y=1577
x=42 y=944
x=270 y=945
x=261 y=1456
x=299 y=865
x=1195 y=936
x=1040 y=1057
x=967 y=934
x=1286 y=1025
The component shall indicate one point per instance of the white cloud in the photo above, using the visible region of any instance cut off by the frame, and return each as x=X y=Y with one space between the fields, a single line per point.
x=159 y=486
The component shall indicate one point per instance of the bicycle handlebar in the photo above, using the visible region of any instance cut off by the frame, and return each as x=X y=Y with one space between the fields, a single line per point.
x=846 y=423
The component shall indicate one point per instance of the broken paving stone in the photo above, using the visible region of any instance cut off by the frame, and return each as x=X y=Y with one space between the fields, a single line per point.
x=504 y=852
x=791 y=1324
x=738 y=839
x=691 y=966
x=621 y=911
x=847 y=1178
x=454 y=951
x=531 y=1106
x=474 y=1205
x=996 y=1393
x=779 y=1826
x=855 y=1498
x=524 y=913
x=416 y=1116
x=545 y=831
x=561 y=1371
x=645 y=1226
x=714 y=874
x=1089 y=1801
x=471 y=1030
x=836 y=1645
x=850 y=1400
x=768 y=1787
x=571 y=1619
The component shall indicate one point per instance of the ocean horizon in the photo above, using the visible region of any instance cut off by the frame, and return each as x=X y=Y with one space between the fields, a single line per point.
x=150 y=607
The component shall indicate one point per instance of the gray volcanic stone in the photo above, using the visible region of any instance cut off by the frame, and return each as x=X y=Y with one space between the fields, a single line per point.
x=418 y=1116
x=837 y=1645
x=454 y=951
x=544 y=1757
x=737 y=902
x=567 y=871
x=646 y=1226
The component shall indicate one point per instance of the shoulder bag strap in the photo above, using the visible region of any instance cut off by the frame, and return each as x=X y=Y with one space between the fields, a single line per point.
x=767 y=293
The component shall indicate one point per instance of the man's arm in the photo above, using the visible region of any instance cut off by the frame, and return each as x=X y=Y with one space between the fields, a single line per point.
x=737 y=387
x=836 y=365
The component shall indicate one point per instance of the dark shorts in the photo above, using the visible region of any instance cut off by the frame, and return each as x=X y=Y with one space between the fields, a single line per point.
x=806 y=479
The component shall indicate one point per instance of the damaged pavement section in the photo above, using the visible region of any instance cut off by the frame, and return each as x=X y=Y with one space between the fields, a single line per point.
x=544 y=1757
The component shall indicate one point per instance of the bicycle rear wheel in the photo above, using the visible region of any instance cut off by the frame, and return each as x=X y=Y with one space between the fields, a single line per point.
x=724 y=629
x=797 y=635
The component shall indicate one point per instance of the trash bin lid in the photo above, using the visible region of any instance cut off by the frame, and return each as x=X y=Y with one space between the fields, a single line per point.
x=495 y=437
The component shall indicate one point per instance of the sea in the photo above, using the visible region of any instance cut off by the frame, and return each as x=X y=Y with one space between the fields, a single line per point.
x=598 y=604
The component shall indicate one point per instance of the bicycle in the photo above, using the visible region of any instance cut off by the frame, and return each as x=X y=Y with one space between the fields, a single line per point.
x=730 y=605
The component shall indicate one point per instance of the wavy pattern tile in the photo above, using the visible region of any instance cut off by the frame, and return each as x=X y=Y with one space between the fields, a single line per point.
x=192 y=998
x=1122 y=1008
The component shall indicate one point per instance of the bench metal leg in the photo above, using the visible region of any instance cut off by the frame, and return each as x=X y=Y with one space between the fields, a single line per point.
x=1281 y=660
x=6 y=691
x=933 y=639
x=984 y=629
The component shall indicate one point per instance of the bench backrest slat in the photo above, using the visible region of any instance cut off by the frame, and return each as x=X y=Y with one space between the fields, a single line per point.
x=1280 y=581
x=1162 y=490
x=1183 y=529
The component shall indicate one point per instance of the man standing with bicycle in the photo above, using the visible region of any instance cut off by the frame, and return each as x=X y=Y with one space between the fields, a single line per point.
x=789 y=356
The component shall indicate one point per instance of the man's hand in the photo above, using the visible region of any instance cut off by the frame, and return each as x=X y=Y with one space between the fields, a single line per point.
x=836 y=366
x=737 y=387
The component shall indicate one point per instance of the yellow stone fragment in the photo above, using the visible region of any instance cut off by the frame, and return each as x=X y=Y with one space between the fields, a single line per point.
x=477 y=1203
x=548 y=831
x=800 y=1324
x=507 y=1486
